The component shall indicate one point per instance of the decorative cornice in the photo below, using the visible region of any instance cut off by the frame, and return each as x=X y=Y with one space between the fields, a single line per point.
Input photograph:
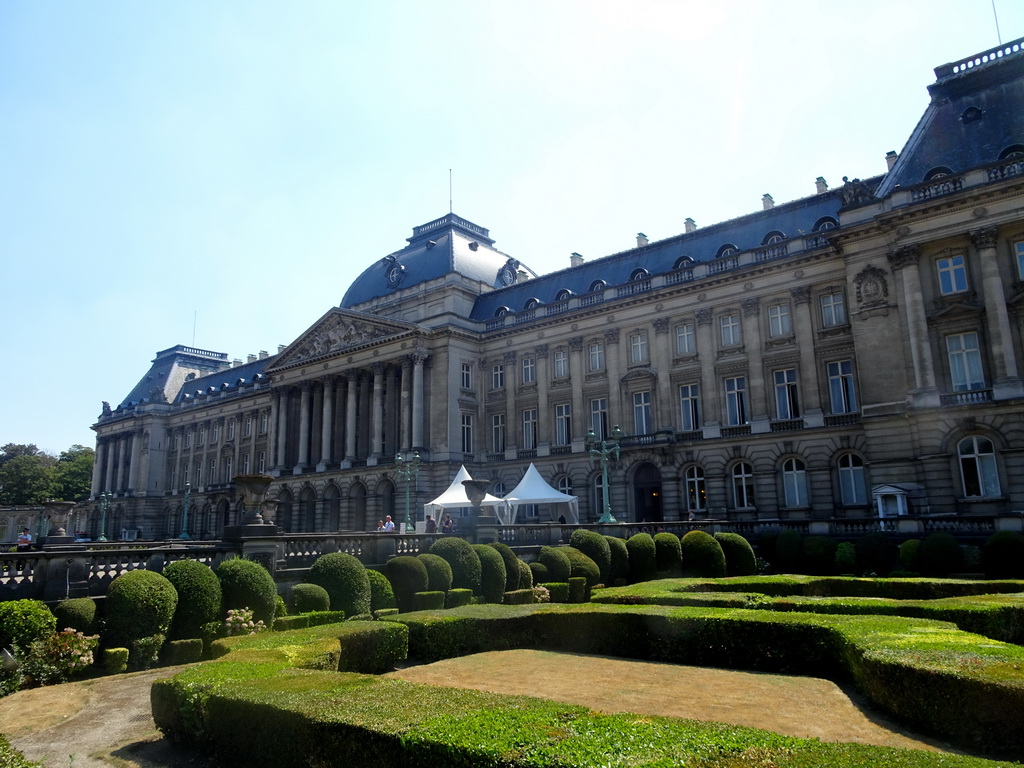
x=904 y=256
x=985 y=237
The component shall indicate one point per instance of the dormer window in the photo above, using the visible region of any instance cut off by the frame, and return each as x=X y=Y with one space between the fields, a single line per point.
x=531 y=303
x=598 y=285
x=971 y=114
x=726 y=250
x=938 y=173
x=501 y=311
x=1012 y=152
x=773 y=237
x=563 y=295
x=683 y=262
x=825 y=222
x=639 y=274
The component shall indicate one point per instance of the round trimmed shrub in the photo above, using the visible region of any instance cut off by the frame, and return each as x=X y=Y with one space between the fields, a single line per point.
x=439 y=573
x=408 y=575
x=819 y=555
x=620 y=560
x=247 y=584
x=876 y=553
x=555 y=560
x=643 y=563
x=702 y=555
x=940 y=555
x=668 y=555
x=525 y=575
x=539 y=572
x=594 y=546
x=382 y=596
x=464 y=561
x=511 y=569
x=23 y=621
x=582 y=565
x=788 y=549
x=739 y=555
x=304 y=598
x=1002 y=557
x=139 y=605
x=493 y=576
x=345 y=580
x=199 y=598
x=910 y=555
x=77 y=613
x=846 y=558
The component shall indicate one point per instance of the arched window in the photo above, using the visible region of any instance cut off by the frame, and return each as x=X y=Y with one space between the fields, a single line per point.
x=1012 y=152
x=852 y=488
x=639 y=274
x=563 y=294
x=683 y=261
x=598 y=285
x=531 y=303
x=794 y=483
x=940 y=172
x=501 y=311
x=498 y=490
x=696 y=493
x=824 y=223
x=978 y=467
x=742 y=485
x=775 y=236
x=726 y=250
x=564 y=485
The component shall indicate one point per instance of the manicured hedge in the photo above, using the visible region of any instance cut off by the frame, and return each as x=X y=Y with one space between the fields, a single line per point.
x=876 y=554
x=303 y=598
x=620 y=560
x=1002 y=557
x=456 y=598
x=492 y=573
x=819 y=555
x=525 y=575
x=408 y=575
x=668 y=554
x=643 y=564
x=539 y=572
x=22 y=621
x=557 y=563
x=182 y=651
x=429 y=601
x=702 y=555
x=199 y=598
x=596 y=547
x=439 y=573
x=519 y=597
x=511 y=564
x=381 y=594
x=577 y=589
x=139 y=604
x=78 y=613
x=345 y=580
x=581 y=565
x=247 y=584
x=464 y=561
x=739 y=555
x=558 y=590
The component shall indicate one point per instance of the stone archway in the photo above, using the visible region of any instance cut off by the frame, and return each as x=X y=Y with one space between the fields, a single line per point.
x=284 y=511
x=647 y=506
x=307 y=510
x=332 y=508
x=357 y=507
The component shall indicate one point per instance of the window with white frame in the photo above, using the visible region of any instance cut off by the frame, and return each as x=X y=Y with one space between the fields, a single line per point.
x=599 y=417
x=174 y=476
x=211 y=466
x=842 y=393
x=952 y=274
x=638 y=347
x=529 y=429
x=794 y=483
x=689 y=407
x=498 y=376
x=595 y=356
x=564 y=485
x=215 y=432
x=1018 y=249
x=201 y=435
x=467 y=376
x=642 y=413
x=787 y=404
x=742 y=485
x=498 y=490
x=736 y=401
x=498 y=433
x=833 y=309
x=227 y=469
x=964 y=356
x=174 y=445
x=560 y=368
x=467 y=433
x=247 y=431
x=264 y=422
x=978 y=467
x=852 y=485
x=261 y=464
x=780 y=325
x=686 y=338
x=598 y=503
x=245 y=464
x=696 y=493
x=529 y=368
x=731 y=333
x=188 y=438
x=563 y=424
x=231 y=429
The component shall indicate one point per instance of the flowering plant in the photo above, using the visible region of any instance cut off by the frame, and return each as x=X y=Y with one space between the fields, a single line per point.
x=239 y=622
x=541 y=594
x=57 y=657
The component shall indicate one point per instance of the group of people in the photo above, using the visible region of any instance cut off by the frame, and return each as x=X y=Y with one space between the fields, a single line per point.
x=387 y=525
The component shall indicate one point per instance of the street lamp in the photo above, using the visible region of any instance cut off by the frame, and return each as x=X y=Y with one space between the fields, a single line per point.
x=184 y=512
x=104 y=506
x=408 y=469
x=605 y=450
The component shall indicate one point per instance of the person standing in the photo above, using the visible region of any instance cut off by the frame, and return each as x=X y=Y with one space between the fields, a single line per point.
x=389 y=524
x=24 y=540
x=431 y=526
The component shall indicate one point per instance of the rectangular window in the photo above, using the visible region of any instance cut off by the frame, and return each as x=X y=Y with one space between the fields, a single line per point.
x=530 y=429
x=215 y=433
x=529 y=370
x=467 y=433
x=736 y=401
x=833 y=309
x=174 y=476
x=228 y=474
x=840 y=387
x=642 y=413
x=686 y=339
x=245 y=463
x=199 y=473
x=638 y=347
x=787 y=405
x=498 y=376
x=599 y=418
x=563 y=424
x=201 y=436
x=730 y=327
x=779 y=323
x=175 y=446
x=188 y=475
x=247 y=432
x=213 y=471
x=467 y=376
x=965 y=362
x=262 y=462
x=1018 y=248
x=264 y=422
x=188 y=438
x=231 y=429
x=689 y=407
x=561 y=369
x=952 y=274
x=595 y=356
x=498 y=433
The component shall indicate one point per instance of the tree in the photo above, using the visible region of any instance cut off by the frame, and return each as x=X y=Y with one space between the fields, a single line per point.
x=27 y=479
x=73 y=481
x=13 y=450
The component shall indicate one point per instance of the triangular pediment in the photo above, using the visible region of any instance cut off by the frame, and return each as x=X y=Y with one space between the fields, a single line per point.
x=340 y=331
x=956 y=309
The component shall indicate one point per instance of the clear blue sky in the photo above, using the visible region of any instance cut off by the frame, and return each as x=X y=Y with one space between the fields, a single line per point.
x=237 y=164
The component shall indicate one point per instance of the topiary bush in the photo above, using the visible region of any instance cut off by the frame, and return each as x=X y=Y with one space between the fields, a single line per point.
x=511 y=567
x=819 y=555
x=456 y=598
x=582 y=566
x=643 y=564
x=577 y=589
x=78 y=613
x=24 y=621
x=465 y=563
x=408 y=575
x=492 y=573
x=876 y=553
x=139 y=605
x=558 y=565
x=539 y=571
x=525 y=575
x=345 y=580
x=910 y=552
x=1002 y=557
x=558 y=590
x=668 y=555
x=702 y=555
x=430 y=601
x=846 y=559
x=247 y=584
x=788 y=551
x=940 y=555
x=739 y=555
x=303 y=598
x=115 y=661
x=596 y=547
x=439 y=573
x=199 y=598
x=620 y=559
x=382 y=596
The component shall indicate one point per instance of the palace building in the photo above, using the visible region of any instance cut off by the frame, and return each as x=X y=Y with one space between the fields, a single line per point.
x=852 y=355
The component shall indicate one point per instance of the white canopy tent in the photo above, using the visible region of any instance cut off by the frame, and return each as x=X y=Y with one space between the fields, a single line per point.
x=456 y=498
x=533 y=489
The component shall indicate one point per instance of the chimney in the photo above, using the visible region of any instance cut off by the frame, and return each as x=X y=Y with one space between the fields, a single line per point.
x=641 y=240
x=235 y=363
x=690 y=225
x=251 y=359
x=575 y=259
x=890 y=159
x=767 y=202
x=264 y=354
x=280 y=348
x=820 y=185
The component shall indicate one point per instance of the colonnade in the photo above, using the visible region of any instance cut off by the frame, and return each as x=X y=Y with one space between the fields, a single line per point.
x=115 y=467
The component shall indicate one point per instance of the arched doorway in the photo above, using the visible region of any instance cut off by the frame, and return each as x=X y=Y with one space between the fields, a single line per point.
x=357 y=507
x=386 y=497
x=332 y=505
x=223 y=518
x=284 y=511
x=307 y=505
x=647 y=494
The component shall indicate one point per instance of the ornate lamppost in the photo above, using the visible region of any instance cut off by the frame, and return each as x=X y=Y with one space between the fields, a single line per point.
x=104 y=506
x=605 y=450
x=408 y=469
x=184 y=511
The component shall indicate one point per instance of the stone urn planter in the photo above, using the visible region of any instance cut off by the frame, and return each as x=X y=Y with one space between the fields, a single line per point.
x=57 y=513
x=254 y=490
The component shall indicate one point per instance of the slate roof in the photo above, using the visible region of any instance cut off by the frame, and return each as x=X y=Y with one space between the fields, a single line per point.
x=169 y=371
x=228 y=380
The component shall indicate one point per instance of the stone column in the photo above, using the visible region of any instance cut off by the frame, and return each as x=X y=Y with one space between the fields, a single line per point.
x=512 y=424
x=377 y=428
x=133 y=466
x=905 y=261
x=326 y=424
x=803 y=324
x=580 y=419
x=661 y=364
x=753 y=343
x=97 y=468
x=406 y=406
x=282 y=431
x=391 y=411
x=108 y=468
x=417 y=401
x=305 y=415
x=350 y=418
x=613 y=369
x=316 y=422
x=1006 y=378
x=544 y=416
x=711 y=413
